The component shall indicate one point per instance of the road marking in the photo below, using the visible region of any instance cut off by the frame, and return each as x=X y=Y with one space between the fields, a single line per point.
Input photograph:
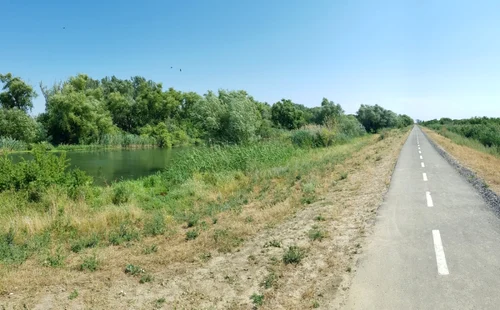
x=423 y=165
x=421 y=157
x=420 y=152
x=425 y=176
x=429 y=199
x=440 y=258
x=419 y=147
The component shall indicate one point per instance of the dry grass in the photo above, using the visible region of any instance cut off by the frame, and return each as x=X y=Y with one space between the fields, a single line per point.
x=485 y=165
x=348 y=195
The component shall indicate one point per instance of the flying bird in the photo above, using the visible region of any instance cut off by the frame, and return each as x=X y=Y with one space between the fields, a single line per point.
x=64 y=27
x=180 y=70
x=171 y=67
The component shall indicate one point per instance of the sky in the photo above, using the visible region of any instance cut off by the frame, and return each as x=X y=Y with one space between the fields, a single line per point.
x=427 y=59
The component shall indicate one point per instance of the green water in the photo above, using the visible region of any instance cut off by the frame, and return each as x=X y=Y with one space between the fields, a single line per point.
x=107 y=166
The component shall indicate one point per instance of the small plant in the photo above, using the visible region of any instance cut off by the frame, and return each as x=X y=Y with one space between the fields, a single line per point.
x=315 y=304
x=205 y=256
x=121 y=194
x=126 y=233
x=160 y=301
x=273 y=243
x=155 y=225
x=378 y=158
x=343 y=175
x=73 y=295
x=56 y=260
x=269 y=280
x=293 y=255
x=150 y=249
x=249 y=219
x=133 y=270
x=89 y=263
x=146 y=278
x=320 y=218
x=192 y=234
x=257 y=299
x=192 y=220
x=214 y=220
x=90 y=242
x=316 y=234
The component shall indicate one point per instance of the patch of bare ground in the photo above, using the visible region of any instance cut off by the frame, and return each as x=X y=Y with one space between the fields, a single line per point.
x=243 y=260
x=486 y=166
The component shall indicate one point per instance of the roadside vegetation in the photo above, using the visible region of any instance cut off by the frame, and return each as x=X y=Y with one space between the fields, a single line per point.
x=254 y=165
x=480 y=133
x=84 y=113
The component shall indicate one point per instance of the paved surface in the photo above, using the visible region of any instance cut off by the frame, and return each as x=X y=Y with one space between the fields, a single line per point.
x=443 y=256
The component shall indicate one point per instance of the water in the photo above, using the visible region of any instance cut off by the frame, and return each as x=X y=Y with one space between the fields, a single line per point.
x=106 y=166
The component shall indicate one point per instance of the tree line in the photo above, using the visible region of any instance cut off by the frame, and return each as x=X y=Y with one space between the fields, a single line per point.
x=486 y=130
x=83 y=110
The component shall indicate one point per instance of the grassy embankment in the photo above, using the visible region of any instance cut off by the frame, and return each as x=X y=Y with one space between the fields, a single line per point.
x=70 y=229
x=483 y=160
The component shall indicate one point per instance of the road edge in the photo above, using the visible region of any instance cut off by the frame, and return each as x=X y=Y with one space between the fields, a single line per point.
x=488 y=195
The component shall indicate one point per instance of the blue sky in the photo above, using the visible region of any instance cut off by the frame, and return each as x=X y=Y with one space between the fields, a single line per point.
x=427 y=59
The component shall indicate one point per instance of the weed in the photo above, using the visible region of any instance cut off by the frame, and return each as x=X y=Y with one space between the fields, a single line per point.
x=348 y=269
x=226 y=240
x=155 y=225
x=73 y=295
x=89 y=263
x=160 y=301
x=80 y=244
x=192 y=220
x=205 y=256
x=214 y=220
x=150 y=249
x=293 y=255
x=378 y=158
x=269 y=280
x=316 y=234
x=249 y=219
x=273 y=243
x=192 y=234
x=121 y=194
x=146 y=278
x=133 y=270
x=126 y=233
x=55 y=260
x=257 y=299
x=315 y=304
x=320 y=218
x=343 y=175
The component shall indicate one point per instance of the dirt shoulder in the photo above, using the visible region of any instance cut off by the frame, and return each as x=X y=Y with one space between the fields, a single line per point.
x=486 y=166
x=326 y=238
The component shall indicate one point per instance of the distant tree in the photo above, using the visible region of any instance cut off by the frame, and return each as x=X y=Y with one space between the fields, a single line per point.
x=16 y=94
x=375 y=117
x=285 y=114
x=330 y=113
x=404 y=120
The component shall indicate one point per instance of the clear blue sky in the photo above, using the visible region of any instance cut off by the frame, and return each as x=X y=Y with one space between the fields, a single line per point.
x=428 y=59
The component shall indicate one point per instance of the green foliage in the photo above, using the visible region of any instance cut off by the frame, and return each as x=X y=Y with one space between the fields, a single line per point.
x=293 y=255
x=73 y=295
x=89 y=263
x=55 y=259
x=18 y=125
x=125 y=233
x=16 y=93
x=192 y=234
x=484 y=130
x=9 y=144
x=269 y=280
x=85 y=242
x=121 y=193
x=257 y=300
x=374 y=118
x=286 y=114
x=134 y=270
x=146 y=278
x=155 y=225
x=316 y=234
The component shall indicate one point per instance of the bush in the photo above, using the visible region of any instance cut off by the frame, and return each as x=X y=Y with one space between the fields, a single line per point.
x=89 y=263
x=121 y=194
x=293 y=255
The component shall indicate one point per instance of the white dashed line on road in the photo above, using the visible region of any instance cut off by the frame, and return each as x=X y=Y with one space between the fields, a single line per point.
x=423 y=165
x=420 y=152
x=421 y=157
x=429 y=199
x=424 y=175
x=440 y=258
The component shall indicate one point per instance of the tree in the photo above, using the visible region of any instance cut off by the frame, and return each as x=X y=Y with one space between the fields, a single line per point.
x=329 y=113
x=17 y=124
x=375 y=117
x=16 y=94
x=75 y=112
x=404 y=120
x=285 y=114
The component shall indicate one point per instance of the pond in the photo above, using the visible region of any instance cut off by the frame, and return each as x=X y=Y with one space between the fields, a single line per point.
x=106 y=166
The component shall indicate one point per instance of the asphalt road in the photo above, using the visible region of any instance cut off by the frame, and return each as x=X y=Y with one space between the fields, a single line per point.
x=435 y=245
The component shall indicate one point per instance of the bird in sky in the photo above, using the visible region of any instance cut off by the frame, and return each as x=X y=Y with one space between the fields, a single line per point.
x=180 y=70
x=64 y=27
x=171 y=67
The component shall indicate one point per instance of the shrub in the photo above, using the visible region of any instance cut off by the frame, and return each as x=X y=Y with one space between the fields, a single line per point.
x=155 y=225
x=293 y=255
x=257 y=299
x=121 y=194
x=89 y=263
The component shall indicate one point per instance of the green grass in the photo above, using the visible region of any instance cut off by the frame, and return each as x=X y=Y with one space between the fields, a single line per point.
x=293 y=255
x=89 y=263
x=257 y=300
x=181 y=194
